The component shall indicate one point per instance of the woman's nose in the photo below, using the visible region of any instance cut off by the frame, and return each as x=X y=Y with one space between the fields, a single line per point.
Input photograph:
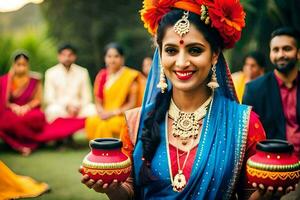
x=182 y=61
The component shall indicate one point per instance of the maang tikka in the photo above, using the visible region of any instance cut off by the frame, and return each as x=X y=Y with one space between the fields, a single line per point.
x=182 y=26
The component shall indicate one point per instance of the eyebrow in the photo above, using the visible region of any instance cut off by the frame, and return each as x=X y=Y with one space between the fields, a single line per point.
x=188 y=45
x=284 y=46
x=196 y=44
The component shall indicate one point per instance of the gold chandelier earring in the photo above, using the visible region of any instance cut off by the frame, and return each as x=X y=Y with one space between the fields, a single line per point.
x=162 y=80
x=213 y=84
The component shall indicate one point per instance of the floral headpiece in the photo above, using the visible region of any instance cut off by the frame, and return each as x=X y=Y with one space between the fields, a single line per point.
x=226 y=16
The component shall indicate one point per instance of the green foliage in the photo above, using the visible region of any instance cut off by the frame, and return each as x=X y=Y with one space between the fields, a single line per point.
x=6 y=48
x=91 y=24
x=40 y=47
x=59 y=169
x=262 y=17
x=131 y=39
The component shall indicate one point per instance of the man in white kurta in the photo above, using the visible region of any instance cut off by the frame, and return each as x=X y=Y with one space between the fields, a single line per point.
x=67 y=88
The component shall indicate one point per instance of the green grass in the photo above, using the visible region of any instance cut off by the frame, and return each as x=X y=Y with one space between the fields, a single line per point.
x=58 y=168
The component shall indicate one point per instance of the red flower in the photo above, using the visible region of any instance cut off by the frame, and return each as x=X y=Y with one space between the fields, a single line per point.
x=228 y=17
x=153 y=11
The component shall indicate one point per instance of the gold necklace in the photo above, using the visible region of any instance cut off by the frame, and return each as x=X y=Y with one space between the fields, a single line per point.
x=186 y=125
x=179 y=182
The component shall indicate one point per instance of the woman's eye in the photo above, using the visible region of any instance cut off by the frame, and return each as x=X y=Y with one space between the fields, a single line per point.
x=195 y=51
x=170 y=50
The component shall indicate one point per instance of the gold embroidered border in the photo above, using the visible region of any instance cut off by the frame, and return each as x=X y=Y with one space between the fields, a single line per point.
x=239 y=151
x=105 y=166
x=268 y=167
x=107 y=172
x=273 y=175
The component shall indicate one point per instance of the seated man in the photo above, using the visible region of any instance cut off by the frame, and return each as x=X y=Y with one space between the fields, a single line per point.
x=67 y=88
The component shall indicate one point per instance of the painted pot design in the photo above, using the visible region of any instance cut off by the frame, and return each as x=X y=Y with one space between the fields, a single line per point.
x=273 y=164
x=106 y=161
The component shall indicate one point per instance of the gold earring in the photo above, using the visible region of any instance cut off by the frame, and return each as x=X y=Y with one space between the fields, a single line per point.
x=213 y=84
x=162 y=80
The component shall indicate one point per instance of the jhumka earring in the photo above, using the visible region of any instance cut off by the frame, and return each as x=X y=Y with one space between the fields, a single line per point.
x=162 y=80
x=213 y=84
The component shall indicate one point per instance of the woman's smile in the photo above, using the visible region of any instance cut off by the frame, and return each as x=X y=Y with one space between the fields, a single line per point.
x=184 y=74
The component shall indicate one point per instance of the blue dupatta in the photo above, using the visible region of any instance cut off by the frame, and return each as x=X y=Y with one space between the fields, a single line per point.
x=220 y=151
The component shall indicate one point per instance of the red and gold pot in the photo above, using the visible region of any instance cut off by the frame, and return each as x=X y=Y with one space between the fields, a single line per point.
x=274 y=164
x=106 y=161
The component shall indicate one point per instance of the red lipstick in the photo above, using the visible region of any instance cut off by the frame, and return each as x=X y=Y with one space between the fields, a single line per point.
x=184 y=75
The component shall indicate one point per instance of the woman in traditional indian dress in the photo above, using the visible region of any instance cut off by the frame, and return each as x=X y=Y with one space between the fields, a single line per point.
x=191 y=138
x=117 y=88
x=13 y=186
x=22 y=122
x=253 y=66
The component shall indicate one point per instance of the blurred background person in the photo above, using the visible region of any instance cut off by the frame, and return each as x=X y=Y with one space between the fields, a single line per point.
x=117 y=88
x=23 y=124
x=146 y=66
x=13 y=186
x=67 y=88
x=275 y=97
x=21 y=118
x=254 y=65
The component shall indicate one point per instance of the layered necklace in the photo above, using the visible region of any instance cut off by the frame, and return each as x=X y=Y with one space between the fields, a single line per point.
x=185 y=126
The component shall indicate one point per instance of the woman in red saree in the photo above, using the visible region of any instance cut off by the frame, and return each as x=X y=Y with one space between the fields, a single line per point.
x=22 y=123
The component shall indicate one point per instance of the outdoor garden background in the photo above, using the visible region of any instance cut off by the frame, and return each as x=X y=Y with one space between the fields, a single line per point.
x=89 y=25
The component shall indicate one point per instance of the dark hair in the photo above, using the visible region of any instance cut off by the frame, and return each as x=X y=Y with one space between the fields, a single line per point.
x=289 y=31
x=116 y=46
x=67 y=46
x=17 y=56
x=210 y=34
x=258 y=57
x=151 y=133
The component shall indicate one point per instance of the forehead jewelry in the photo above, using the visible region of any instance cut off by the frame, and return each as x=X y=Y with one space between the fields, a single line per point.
x=182 y=26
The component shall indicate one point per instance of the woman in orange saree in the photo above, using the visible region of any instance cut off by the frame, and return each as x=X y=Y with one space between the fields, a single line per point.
x=117 y=88
x=13 y=186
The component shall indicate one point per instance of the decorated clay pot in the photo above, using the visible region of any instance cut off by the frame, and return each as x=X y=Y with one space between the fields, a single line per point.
x=106 y=161
x=274 y=164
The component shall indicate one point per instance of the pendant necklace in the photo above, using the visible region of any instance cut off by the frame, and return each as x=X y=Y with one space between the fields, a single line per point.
x=179 y=182
x=186 y=125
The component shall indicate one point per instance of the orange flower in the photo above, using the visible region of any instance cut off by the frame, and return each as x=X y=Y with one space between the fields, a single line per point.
x=228 y=17
x=153 y=11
